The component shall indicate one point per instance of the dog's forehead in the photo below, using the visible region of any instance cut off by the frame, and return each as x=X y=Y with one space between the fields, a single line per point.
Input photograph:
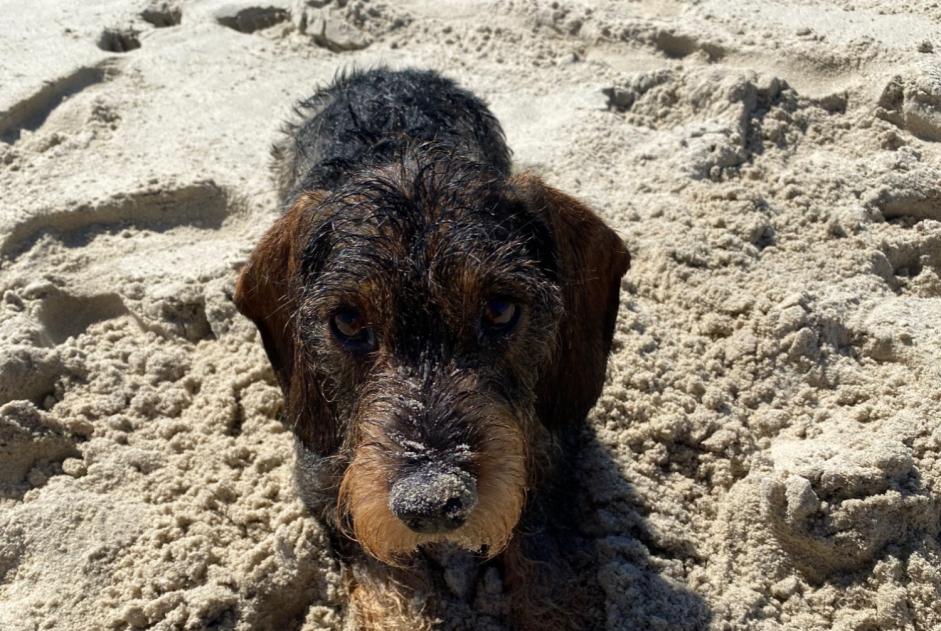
x=421 y=238
x=393 y=236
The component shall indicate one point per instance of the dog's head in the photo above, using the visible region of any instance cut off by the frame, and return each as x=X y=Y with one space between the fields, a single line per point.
x=431 y=324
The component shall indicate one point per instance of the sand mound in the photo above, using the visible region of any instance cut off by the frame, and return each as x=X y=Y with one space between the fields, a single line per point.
x=767 y=452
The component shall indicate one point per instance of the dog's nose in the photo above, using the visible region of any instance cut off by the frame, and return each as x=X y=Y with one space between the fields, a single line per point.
x=434 y=498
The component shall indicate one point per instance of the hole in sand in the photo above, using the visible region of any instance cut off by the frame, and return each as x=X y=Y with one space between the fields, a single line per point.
x=32 y=112
x=118 y=41
x=252 y=19
x=677 y=46
x=162 y=16
x=911 y=270
x=64 y=316
x=906 y=221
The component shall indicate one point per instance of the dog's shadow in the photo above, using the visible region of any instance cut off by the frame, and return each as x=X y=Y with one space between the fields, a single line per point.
x=632 y=570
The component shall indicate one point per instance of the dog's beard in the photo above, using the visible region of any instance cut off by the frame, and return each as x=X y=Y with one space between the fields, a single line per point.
x=317 y=478
x=500 y=461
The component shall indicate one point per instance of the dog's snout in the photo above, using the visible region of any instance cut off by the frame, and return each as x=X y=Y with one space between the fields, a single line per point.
x=434 y=499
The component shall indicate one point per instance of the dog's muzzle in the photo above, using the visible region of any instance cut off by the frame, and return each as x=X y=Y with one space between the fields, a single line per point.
x=435 y=498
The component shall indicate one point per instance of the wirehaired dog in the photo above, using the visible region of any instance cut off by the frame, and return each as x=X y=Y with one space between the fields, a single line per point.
x=440 y=328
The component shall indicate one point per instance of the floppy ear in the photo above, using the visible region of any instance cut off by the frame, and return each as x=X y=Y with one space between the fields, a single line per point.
x=266 y=293
x=591 y=260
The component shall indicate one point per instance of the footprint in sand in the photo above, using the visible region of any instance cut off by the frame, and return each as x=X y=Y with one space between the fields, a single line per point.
x=834 y=505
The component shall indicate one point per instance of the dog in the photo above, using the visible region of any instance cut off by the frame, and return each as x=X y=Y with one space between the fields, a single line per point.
x=440 y=327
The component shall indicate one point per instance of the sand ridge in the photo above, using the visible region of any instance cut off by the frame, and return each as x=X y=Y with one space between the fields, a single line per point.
x=767 y=445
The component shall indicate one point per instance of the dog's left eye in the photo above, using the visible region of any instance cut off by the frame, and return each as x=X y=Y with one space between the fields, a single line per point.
x=350 y=328
x=500 y=315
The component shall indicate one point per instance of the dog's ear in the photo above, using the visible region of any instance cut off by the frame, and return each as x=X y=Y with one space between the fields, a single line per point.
x=591 y=259
x=266 y=293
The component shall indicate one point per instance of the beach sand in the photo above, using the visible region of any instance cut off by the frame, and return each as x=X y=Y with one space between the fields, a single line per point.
x=768 y=445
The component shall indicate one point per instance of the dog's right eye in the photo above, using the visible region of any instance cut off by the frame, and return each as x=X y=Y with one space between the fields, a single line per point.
x=350 y=328
x=500 y=315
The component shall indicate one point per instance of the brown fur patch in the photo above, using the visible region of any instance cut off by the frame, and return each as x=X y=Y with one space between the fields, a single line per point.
x=501 y=488
x=384 y=606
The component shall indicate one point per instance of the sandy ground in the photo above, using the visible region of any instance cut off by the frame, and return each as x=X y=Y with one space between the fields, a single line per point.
x=768 y=443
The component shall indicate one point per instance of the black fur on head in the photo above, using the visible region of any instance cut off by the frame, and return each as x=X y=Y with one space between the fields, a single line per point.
x=370 y=116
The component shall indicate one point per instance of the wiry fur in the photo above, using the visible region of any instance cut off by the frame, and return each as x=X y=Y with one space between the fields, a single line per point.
x=366 y=116
x=400 y=204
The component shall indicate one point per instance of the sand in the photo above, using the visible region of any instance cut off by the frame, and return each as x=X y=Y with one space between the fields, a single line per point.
x=768 y=450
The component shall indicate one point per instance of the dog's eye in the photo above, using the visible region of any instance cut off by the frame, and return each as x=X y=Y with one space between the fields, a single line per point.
x=349 y=327
x=500 y=315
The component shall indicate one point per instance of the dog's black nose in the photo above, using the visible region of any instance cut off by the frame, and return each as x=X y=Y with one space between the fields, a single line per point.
x=434 y=498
